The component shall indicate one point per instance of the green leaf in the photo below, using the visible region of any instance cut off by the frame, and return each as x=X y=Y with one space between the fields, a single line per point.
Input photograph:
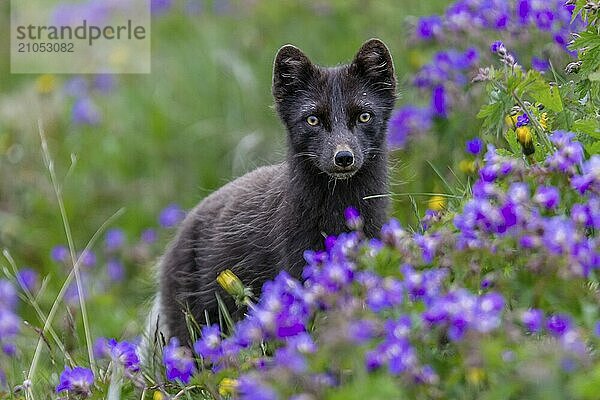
x=511 y=138
x=490 y=110
x=590 y=127
x=593 y=148
x=588 y=39
x=579 y=4
x=594 y=76
x=548 y=95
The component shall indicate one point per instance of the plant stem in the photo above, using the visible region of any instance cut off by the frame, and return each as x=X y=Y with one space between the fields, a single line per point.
x=536 y=123
x=67 y=227
x=37 y=308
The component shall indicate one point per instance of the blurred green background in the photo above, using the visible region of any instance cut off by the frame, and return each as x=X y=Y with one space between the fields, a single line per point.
x=202 y=117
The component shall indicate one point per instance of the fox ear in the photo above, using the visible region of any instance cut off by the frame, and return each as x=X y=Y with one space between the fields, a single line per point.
x=291 y=68
x=374 y=62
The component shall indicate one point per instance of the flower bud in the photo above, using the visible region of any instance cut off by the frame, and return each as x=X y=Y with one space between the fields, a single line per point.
x=228 y=386
x=231 y=283
x=525 y=138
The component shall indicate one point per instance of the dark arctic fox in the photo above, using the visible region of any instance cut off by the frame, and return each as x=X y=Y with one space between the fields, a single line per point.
x=261 y=223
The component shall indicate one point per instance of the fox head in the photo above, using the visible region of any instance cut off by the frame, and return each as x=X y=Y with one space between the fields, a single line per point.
x=336 y=117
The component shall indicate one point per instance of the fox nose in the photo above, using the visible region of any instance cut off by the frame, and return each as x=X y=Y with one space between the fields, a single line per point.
x=344 y=159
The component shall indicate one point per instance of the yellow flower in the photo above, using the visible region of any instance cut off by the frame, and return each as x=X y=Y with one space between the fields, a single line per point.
x=525 y=138
x=475 y=375
x=119 y=57
x=467 y=166
x=416 y=59
x=436 y=202
x=511 y=120
x=544 y=121
x=45 y=83
x=158 y=395
x=227 y=387
x=231 y=283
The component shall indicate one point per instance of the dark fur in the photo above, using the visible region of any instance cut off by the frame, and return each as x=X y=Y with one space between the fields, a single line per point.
x=261 y=223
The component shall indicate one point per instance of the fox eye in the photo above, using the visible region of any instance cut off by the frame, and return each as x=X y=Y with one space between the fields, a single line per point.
x=312 y=120
x=364 y=117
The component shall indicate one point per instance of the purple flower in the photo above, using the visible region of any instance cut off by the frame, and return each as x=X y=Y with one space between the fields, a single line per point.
x=76 y=87
x=518 y=193
x=497 y=46
x=580 y=214
x=392 y=233
x=501 y=22
x=533 y=320
x=361 y=331
x=59 y=254
x=590 y=177
x=439 y=102
x=250 y=387
x=373 y=360
x=429 y=27
x=282 y=310
x=382 y=293
x=159 y=7
x=406 y=122
x=353 y=219
x=178 y=361
x=559 y=324
x=522 y=120
x=292 y=355
x=597 y=329
x=10 y=325
x=336 y=275
x=148 y=236
x=209 y=345
x=428 y=244
x=248 y=331
x=427 y=375
x=104 y=82
x=88 y=258
x=288 y=358
x=523 y=10
x=72 y=293
x=170 y=216
x=398 y=329
x=422 y=284
x=115 y=270
x=28 y=278
x=487 y=312
x=114 y=239
x=85 y=112
x=559 y=235
x=101 y=348
x=544 y=19
x=569 y=153
x=302 y=343
x=125 y=353
x=399 y=355
x=547 y=196
x=509 y=217
x=8 y=294
x=475 y=146
x=540 y=64
x=10 y=349
x=77 y=381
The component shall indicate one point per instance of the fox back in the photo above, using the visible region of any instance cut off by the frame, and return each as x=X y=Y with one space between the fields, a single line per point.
x=262 y=222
